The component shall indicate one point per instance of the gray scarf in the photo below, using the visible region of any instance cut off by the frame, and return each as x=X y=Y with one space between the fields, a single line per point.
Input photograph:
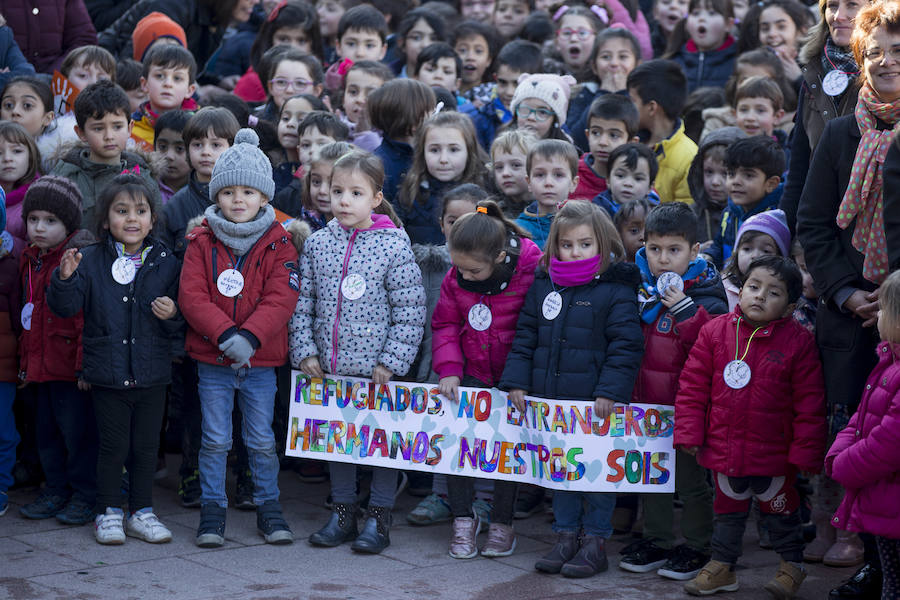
x=240 y=237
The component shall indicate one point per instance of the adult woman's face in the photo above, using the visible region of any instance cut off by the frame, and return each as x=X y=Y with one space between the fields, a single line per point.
x=881 y=63
x=839 y=15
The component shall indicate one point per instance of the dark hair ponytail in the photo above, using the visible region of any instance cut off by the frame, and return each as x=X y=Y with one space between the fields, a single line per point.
x=485 y=232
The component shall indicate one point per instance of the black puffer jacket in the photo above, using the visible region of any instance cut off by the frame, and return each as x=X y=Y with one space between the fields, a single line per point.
x=592 y=349
x=125 y=345
x=187 y=203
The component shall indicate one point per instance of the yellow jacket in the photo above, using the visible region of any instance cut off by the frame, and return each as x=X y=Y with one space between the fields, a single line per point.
x=674 y=154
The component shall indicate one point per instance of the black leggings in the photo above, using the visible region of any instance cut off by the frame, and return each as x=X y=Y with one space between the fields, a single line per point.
x=127 y=420
x=889 y=551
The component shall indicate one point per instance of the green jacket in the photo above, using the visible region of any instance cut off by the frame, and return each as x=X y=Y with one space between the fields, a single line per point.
x=92 y=178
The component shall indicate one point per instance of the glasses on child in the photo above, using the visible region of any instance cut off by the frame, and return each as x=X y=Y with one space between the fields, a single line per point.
x=578 y=34
x=877 y=54
x=523 y=111
x=281 y=84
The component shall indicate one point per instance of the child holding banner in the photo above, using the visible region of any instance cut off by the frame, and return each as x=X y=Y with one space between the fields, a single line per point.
x=751 y=407
x=680 y=293
x=362 y=311
x=579 y=336
x=473 y=327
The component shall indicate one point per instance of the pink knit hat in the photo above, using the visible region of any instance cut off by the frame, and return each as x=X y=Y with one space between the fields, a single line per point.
x=552 y=89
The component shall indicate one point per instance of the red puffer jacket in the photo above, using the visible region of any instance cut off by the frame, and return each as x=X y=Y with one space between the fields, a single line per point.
x=777 y=420
x=459 y=350
x=863 y=457
x=51 y=350
x=263 y=307
x=47 y=30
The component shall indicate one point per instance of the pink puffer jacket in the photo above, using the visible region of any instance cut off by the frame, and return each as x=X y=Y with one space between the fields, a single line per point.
x=865 y=457
x=457 y=348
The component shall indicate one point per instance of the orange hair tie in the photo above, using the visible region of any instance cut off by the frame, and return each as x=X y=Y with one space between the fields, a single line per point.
x=481 y=209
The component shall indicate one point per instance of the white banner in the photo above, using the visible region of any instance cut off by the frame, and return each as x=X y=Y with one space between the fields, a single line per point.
x=557 y=444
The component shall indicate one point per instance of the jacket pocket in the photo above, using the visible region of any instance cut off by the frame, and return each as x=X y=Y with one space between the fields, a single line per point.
x=61 y=355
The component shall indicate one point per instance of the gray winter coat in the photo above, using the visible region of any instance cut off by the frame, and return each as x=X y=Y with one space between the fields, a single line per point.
x=383 y=326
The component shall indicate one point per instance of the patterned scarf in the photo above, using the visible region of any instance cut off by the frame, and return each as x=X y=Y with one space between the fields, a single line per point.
x=863 y=199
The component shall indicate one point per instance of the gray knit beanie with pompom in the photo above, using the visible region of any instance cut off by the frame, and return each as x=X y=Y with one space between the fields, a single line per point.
x=243 y=164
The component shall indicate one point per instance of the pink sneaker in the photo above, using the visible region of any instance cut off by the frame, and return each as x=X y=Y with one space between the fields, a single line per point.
x=501 y=541
x=462 y=540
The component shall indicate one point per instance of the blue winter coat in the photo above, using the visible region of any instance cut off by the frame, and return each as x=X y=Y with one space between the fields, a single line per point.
x=712 y=68
x=592 y=349
x=422 y=218
x=11 y=57
x=397 y=158
x=537 y=226
x=488 y=119
x=605 y=201
x=732 y=218
x=125 y=345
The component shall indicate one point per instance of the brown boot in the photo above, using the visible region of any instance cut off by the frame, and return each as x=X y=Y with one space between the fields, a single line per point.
x=847 y=551
x=590 y=560
x=562 y=552
x=825 y=536
x=786 y=582
x=714 y=577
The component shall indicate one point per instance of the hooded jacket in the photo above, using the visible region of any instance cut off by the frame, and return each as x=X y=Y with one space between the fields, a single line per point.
x=772 y=425
x=457 y=348
x=591 y=349
x=711 y=68
x=125 y=345
x=709 y=216
x=537 y=226
x=262 y=308
x=93 y=177
x=732 y=218
x=669 y=333
x=859 y=457
x=384 y=326
x=674 y=155
x=51 y=349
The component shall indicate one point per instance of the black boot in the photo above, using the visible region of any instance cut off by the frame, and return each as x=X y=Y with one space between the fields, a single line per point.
x=375 y=535
x=562 y=552
x=865 y=583
x=590 y=560
x=341 y=527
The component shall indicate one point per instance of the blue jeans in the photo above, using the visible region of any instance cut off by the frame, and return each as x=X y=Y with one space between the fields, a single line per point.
x=569 y=512
x=9 y=437
x=255 y=388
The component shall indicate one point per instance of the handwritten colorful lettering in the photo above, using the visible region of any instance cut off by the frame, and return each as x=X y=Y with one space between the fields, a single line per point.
x=558 y=444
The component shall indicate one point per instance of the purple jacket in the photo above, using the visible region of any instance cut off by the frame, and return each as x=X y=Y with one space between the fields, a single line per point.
x=864 y=456
x=47 y=30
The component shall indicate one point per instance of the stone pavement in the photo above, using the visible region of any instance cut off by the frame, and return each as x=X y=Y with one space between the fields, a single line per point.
x=46 y=560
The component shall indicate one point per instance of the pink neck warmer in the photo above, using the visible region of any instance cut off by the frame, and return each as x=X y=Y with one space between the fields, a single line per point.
x=574 y=272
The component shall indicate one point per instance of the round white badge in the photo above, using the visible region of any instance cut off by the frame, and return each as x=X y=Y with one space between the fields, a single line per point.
x=736 y=374
x=27 y=311
x=230 y=283
x=552 y=305
x=480 y=317
x=667 y=280
x=353 y=286
x=835 y=82
x=123 y=270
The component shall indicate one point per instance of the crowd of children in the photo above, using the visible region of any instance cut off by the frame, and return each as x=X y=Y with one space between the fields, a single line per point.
x=681 y=202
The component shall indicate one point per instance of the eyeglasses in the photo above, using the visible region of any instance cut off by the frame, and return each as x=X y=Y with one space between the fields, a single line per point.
x=281 y=84
x=877 y=54
x=523 y=111
x=579 y=34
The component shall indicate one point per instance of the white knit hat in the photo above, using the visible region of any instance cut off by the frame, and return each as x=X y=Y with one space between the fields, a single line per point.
x=552 y=89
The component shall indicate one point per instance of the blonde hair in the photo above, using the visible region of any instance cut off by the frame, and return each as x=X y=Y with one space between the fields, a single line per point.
x=418 y=172
x=514 y=139
x=889 y=299
x=580 y=212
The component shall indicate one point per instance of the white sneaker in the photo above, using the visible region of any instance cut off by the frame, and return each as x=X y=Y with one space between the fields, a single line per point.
x=145 y=526
x=108 y=527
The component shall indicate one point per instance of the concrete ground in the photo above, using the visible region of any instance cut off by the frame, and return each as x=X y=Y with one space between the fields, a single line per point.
x=46 y=560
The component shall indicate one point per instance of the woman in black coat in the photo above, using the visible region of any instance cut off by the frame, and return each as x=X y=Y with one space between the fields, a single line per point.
x=845 y=246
